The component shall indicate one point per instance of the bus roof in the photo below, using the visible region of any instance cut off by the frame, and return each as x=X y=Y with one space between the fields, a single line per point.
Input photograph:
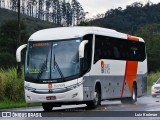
x=74 y=32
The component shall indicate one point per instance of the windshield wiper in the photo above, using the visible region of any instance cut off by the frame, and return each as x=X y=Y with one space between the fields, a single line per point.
x=42 y=68
x=59 y=70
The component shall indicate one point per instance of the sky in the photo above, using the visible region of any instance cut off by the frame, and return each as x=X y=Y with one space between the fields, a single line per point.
x=94 y=7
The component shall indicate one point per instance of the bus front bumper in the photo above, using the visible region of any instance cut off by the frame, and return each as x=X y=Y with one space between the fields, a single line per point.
x=69 y=96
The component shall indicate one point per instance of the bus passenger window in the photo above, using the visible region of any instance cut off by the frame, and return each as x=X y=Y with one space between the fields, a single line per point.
x=116 y=52
x=88 y=53
x=118 y=49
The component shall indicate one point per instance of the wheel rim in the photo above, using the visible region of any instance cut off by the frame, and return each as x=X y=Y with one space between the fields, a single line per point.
x=96 y=98
x=134 y=95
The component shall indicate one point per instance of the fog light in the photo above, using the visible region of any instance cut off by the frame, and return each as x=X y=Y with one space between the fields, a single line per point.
x=29 y=97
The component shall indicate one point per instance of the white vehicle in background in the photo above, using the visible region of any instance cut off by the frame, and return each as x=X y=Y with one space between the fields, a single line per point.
x=75 y=65
x=155 y=90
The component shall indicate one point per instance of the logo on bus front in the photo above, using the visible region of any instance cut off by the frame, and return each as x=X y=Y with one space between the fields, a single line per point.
x=105 y=68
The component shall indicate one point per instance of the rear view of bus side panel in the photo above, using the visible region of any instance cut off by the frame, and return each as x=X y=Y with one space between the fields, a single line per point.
x=110 y=87
x=117 y=64
x=142 y=78
x=112 y=80
x=111 y=77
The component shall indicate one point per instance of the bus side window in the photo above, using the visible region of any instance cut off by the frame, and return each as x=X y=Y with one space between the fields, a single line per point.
x=141 y=51
x=116 y=52
x=88 y=53
x=98 y=53
x=118 y=49
x=135 y=51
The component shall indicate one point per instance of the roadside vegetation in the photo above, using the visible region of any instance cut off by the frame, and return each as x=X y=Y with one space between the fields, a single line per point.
x=12 y=90
x=152 y=77
x=11 y=87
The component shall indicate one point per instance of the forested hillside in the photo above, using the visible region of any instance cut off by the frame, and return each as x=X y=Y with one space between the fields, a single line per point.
x=130 y=19
x=32 y=24
x=136 y=19
x=9 y=34
x=60 y=12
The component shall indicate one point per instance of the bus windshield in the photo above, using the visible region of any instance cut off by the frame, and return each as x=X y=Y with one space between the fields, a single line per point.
x=52 y=61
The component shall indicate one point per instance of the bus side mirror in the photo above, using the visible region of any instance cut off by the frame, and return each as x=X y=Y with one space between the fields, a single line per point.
x=81 y=48
x=18 y=58
x=18 y=52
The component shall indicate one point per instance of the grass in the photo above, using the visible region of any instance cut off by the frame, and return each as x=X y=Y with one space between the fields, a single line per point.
x=149 y=89
x=16 y=104
x=152 y=77
x=12 y=90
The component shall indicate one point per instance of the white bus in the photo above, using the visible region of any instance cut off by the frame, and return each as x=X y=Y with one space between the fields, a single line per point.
x=75 y=65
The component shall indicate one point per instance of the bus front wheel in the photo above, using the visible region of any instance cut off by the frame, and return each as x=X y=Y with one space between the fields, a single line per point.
x=97 y=100
x=47 y=106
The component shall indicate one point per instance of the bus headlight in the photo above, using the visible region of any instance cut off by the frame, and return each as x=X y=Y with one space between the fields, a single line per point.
x=30 y=89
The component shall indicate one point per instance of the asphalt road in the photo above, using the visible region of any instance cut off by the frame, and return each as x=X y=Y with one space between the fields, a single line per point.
x=108 y=108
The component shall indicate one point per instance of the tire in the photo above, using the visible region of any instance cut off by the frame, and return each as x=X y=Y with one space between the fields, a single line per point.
x=47 y=106
x=154 y=96
x=97 y=101
x=131 y=99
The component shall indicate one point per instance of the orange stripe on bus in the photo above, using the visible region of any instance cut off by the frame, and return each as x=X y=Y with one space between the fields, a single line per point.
x=130 y=75
x=130 y=71
x=133 y=38
x=124 y=81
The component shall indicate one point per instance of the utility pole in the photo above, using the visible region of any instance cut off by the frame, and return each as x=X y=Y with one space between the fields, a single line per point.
x=19 y=24
x=19 y=69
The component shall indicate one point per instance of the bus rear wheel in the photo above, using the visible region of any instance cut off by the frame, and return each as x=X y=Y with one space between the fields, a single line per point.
x=131 y=99
x=47 y=106
x=97 y=100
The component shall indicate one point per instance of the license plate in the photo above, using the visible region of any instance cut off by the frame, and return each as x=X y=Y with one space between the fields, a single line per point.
x=51 y=97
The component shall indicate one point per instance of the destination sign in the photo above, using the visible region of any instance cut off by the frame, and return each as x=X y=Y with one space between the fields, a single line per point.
x=39 y=44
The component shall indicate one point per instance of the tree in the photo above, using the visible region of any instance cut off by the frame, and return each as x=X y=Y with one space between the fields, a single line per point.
x=0 y=3
x=48 y=5
x=33 y=4
x=151 y=34
x=77 y=12
x=9 y=41
x=14 y=4
x=54 y=11
x=59 y=13
x=64 y=12
x=40 y=9
x=74 y=10
x=68 y=14
x=29 y=7
x=23 y=7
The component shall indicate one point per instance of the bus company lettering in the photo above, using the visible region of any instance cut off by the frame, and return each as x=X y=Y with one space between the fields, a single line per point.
x=105 y=68
x=59 y=85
